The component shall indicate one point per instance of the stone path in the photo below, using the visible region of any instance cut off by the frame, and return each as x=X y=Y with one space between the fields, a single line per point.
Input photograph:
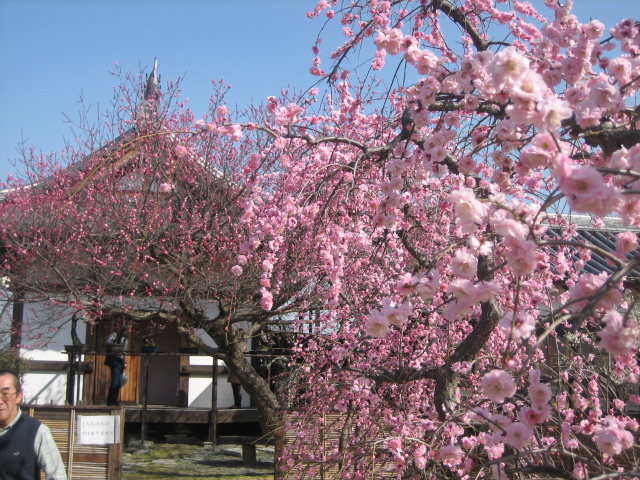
x=172 y=461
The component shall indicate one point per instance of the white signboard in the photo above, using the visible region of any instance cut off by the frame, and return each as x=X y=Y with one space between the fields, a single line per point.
x=98 y=429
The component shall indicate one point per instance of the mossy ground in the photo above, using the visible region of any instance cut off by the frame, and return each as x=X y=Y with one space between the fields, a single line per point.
x=175 y=462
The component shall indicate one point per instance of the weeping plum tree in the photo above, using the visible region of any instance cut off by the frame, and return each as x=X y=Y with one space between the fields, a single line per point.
x=463 y=336
x=428 y=224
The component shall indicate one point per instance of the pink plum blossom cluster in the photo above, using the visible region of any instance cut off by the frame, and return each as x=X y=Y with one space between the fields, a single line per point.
x=499 y=386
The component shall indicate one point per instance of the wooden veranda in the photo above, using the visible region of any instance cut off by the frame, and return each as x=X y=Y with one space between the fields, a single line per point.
x=86 y=373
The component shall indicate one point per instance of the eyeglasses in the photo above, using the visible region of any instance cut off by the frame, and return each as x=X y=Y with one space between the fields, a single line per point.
x=4 y=396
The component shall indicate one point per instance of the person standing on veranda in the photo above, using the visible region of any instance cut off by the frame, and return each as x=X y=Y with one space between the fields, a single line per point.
x=117 y=364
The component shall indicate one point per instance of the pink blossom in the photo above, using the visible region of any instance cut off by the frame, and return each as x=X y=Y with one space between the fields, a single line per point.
x=577 y=94
x=458 y=308
x=517 y=435
x=222 y=111
x=406 y=284
x=518 y=326
x=499 y=422
x=620 y=335
x=566 y=436
x=608 y=443
x=480 y=246
x=530 y=88
x=620 y=69
x=530 y=417
x=438 y=153
x=466 y=164
x=452 y=119
x=626 y=242
x=520 y=255
x=545 y=141
x=550 y=112
x=572 y=69
x=625 y=29
x=181 y=151
x=165 y=187
x=611 y=437
x=428 y=284
x=236 y=270
x=539 y=394
x=395 y=444
x=424 y=60
x=288 y=114
x=464 y=264
x=267 y=266
x=470 y=102
x=469 y=209
x=552 y=77
x=586 y=191
x=593 y=30
x=498 y=385
x=505 y=129
x=509 y=227
x=267 y=299
x=379 y=59
x=392 y=42
x=534 y=157
x=272 y=104
x=234 y=131
x=604 y=94
x=588 y=114
x=396 y=314
x=590 y=284
x=630 y=212
x=450 y=455
x=377 y=325
x=508 y=66
x=467 y=292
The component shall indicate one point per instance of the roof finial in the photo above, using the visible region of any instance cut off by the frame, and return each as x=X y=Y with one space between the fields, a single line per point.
x=152 y=91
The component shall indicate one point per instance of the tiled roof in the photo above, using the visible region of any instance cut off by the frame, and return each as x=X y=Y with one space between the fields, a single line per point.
x=603 y=238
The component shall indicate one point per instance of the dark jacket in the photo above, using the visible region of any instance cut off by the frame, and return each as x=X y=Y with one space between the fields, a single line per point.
x=17 y=451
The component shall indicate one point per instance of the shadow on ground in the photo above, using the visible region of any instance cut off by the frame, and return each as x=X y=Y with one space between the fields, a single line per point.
x=194 y=462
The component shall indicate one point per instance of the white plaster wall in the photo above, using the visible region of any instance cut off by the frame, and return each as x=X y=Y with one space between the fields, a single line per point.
x=45 y=388
x=200 y=392
x=45 y=331
x=200 y=385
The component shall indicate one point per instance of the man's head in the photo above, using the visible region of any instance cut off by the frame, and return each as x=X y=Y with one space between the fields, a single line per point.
x=10 y=397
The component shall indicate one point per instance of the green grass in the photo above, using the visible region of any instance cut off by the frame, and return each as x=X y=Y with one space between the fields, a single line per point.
x=189 y=462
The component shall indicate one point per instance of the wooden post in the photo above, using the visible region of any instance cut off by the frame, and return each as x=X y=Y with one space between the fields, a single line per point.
x=16 y=325
x=143 y=413
x=71 y=379
x=71 y=439
x=213 y=424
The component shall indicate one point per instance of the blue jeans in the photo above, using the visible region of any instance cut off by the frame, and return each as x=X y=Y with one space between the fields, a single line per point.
x=117 y=369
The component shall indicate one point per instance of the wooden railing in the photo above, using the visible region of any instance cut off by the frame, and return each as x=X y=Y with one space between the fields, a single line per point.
x=82 y=462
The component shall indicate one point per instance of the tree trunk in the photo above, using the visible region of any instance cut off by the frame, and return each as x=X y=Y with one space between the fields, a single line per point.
x=257 y=388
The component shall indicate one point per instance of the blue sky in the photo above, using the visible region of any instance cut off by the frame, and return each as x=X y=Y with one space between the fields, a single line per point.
x=52 y=52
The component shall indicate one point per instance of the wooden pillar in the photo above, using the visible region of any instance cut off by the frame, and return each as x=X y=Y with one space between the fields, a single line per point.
x=183 y=387
x=145 y=385
x=16 y=326
x=213 y=421
x=71 y=378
